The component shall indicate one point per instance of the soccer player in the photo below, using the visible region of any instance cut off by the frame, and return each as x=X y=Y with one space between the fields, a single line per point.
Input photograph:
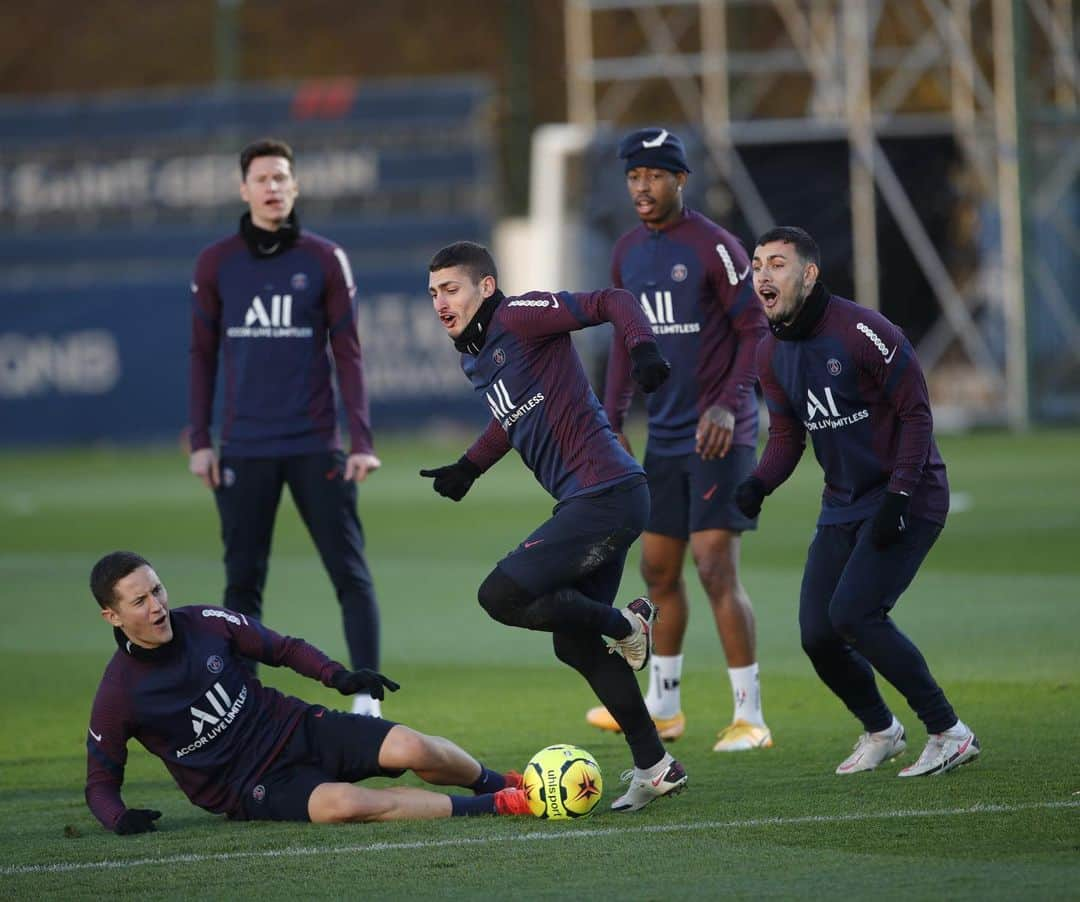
x=278 y=304
x=692 y=279
x=563 y=578
x=850 y=378
x=178 y=685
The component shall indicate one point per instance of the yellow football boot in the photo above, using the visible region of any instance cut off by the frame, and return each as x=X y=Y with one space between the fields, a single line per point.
x=669 y=728
x=741 y=736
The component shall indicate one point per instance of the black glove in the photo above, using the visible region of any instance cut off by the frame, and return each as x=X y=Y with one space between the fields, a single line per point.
x=749 y=495
x=890 y=520
x=349 y=682
x=454 y=480
x=650 y=370
x=136 y=820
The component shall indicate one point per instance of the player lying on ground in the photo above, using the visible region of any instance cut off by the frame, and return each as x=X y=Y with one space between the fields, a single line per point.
x=178 y=685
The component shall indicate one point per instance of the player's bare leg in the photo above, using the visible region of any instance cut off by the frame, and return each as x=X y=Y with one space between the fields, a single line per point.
x=716 y=555
x=433 y=759
x=335 y=803
x=661 y=567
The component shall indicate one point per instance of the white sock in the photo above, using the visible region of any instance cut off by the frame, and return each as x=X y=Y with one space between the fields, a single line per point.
x=651 y=773
x=957 y=731
x=663 y=698
x=362 y=703
x=746 y=689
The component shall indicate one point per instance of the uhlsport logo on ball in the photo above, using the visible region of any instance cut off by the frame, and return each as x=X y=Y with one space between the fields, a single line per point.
x=562 y=782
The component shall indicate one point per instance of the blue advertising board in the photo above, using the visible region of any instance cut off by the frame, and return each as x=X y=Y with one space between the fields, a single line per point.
x=110 y=200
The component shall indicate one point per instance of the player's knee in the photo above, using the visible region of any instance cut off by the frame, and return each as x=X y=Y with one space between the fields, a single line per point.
x=815 y=640
x=661 y=576
x=502 y=598
x=341 y=803
x=848 y=622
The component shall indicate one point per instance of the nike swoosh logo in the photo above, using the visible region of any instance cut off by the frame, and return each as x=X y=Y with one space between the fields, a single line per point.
x=745 y=272
x=712 y=491
x=95 y=735
x=554 y=303
x=533 y=542
x=657 y=141
x=891 y=353
x=659 y=779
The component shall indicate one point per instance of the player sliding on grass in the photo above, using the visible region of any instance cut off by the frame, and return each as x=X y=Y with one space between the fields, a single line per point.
x=850 y=378
x=562 y=578
x=178 y=685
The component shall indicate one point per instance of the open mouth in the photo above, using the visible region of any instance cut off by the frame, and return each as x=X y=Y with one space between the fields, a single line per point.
x=644 y=204
x=768 y=296
x=448 y=320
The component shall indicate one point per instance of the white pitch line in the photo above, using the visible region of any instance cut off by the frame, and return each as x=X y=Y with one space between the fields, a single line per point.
x=301 y=851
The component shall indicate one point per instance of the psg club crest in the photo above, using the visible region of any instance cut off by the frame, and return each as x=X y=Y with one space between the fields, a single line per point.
x=833 y=366
x=298 y=281
x=259 y=793
x=678 y=273
x=499 y=357
x=214 y=664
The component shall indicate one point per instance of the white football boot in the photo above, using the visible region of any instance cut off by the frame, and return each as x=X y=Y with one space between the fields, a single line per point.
x=636 y=648
x=945 y=751
x=874 y=748
x=666 y=778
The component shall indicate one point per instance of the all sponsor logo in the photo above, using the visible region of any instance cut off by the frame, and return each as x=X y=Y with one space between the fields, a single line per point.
x=833 y=366
x=270 y=319
x=505 y=409
x=678 y=273
x=235 y=619
x=215 y=664
x=212 y=715
x=258 y=793
x=661 y=313
x=824 y=414
x=499 y=356
x=299 y=281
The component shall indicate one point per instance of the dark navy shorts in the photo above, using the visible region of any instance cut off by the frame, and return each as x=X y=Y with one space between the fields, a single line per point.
x=584 y=544
x=326 y=747
x=690 y=494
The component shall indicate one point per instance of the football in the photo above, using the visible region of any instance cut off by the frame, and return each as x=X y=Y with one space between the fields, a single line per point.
x=562 y=782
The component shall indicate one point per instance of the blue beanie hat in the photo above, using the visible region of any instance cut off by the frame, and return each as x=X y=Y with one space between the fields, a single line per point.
x=655 y=148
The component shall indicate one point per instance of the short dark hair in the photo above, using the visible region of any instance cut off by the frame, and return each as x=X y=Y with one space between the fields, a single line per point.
x=474 y=257
x=805 y=246
x=264 y=147
x=110 y=570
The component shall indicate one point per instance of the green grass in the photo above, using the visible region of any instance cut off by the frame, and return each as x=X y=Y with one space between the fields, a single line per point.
x=994 y=609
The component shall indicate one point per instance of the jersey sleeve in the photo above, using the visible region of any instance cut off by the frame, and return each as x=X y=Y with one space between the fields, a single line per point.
x=543 y=314
x=106 y=753
x=619 y=385
x=733 y=290
x=883 y=352
x=490 y=446
x=345 y=345
x=787 y=435
x=253 y=640
x=205 y=338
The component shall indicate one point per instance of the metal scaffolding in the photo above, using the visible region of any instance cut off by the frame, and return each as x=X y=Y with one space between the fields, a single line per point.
x=868 y=69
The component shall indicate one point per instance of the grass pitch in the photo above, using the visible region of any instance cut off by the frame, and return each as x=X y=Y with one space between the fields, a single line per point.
x=994 y=609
